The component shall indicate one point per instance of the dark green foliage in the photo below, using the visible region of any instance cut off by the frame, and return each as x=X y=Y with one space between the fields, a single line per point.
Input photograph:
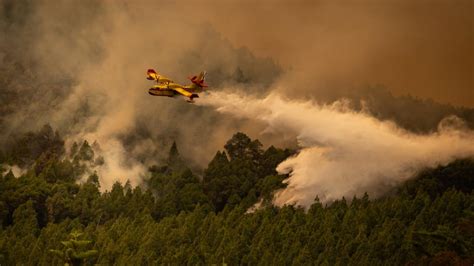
x=181 y=218
x=175 y=187
x=30 y=146
x=85 y=153
x=176 y=192
x=458 y=175
x=242 y=173
x=240 y=146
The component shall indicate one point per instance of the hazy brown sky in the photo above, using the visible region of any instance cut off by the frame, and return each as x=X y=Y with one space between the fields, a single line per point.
x=423 y=47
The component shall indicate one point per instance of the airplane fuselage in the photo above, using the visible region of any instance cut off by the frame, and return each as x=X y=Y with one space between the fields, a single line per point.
x=164 y=89
x=168 y=89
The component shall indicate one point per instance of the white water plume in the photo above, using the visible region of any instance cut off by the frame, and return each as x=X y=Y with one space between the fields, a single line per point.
x=344 y=153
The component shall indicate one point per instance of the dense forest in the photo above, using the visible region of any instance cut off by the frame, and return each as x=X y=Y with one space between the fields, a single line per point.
x=51 y=215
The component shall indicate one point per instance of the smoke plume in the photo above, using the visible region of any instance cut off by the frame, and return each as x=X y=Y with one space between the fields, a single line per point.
x=344 y=153
x=84 y=74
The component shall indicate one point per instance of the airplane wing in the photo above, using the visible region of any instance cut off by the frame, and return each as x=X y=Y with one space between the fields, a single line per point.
x=153 y=75
x=183 y=92
x=164 y=79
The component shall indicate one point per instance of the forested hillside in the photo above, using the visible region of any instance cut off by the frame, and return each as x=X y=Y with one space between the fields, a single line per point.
x=176 y=217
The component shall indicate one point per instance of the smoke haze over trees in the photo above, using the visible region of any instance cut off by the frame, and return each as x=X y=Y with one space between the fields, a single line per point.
x=79 y=67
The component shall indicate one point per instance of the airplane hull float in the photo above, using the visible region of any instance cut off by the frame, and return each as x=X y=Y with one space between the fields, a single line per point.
x=158 y=92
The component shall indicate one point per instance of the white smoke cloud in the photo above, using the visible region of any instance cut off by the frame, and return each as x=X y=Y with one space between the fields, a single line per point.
x=16 y=170
x=117 y=165
x=344 y=153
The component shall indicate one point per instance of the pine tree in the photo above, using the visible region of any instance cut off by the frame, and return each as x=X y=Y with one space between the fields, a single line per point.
x=74 y=250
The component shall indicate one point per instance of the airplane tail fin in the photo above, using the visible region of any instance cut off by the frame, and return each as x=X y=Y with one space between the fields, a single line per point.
x=151 y=75
x=199 y=79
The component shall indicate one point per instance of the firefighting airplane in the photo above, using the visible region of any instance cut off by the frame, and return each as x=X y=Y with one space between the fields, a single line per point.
x=167 y=87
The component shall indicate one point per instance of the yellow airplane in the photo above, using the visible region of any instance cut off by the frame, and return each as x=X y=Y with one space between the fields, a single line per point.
x=167 y=87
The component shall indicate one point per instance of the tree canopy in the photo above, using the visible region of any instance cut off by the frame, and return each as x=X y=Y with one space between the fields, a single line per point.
x=180 y=217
